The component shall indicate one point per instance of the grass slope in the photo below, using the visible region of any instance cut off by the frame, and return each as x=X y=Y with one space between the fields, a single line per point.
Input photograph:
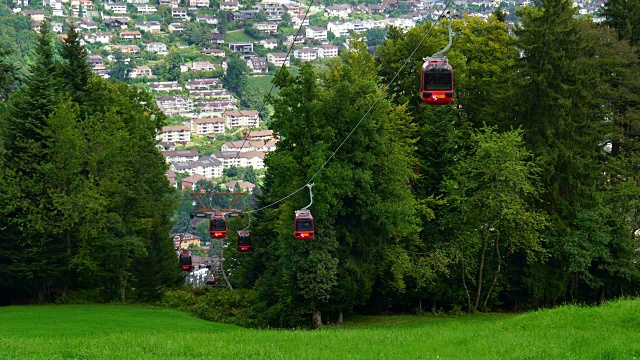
x=129 y=332
x=237 y=36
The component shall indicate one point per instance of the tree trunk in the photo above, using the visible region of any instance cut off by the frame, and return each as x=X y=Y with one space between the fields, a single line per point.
x=68 y=279
x=495 y=274
x=466 y=289
x=479 y=287
x=316 y=319
x=340 y=317
x=123 y=286
x=41 y=293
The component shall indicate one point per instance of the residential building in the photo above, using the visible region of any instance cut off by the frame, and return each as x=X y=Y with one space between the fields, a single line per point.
x=258 y=65
x=327 y=51
x=116 y=22
x=146 y=9
x=165 y=86
x=273 y=9
x=141 y=71
x=198 y=3
x=190 y=183
x=117 y=8
x=269 y=43
x=137 y=1
x=215 y=108
x=241 y=15
x=254 y=159
x=243 y=48
x=175 y=27
x=180 y=134
x=300 y=20
x=127 y=49
x=232 y=5
x=342 y=11
x=243 y=185
x=179 y=13
x=56 y=27
x=175 y=105
x=217 y=94
x=214 y=52
x=268 y=27
x=209 y=83
x=243 y=146
x=170 y=3
x=130 y=35
x=88 y=24
x=173 y=156
x=242 y=118
x=205 y=126
x=260 y=135
x=208 y=167
x=35 y=15
x=316 y=33
x=101 y=37
x=305 y=54
x=340 y=29
x=197 y=66
x=208 y=19
x=278 y=59
x=216 y=38
x=158 y=48
x=149 y=26
x=171 y=175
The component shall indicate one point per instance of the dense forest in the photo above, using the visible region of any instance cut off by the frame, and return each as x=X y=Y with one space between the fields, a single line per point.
x=85 y=205
x=523 y=194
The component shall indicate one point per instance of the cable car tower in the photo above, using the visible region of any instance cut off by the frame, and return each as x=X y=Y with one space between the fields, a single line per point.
x=215 y=275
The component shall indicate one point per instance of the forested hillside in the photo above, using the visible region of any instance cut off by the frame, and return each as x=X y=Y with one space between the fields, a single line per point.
x=524 y=193
x=85 y=205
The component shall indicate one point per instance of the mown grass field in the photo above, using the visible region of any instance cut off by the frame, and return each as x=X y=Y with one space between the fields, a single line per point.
x=130 y=332
x=263 y=83
x=237 y=36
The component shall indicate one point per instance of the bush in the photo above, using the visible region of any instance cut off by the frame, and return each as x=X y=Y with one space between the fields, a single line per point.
x=219 y=305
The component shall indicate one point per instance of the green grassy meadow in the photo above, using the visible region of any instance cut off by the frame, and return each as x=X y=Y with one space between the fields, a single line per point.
x=131 y=332
x=237 y=36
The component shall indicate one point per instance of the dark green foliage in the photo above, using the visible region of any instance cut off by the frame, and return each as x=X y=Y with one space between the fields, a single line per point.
x=219 y=305
x=236 y=77
x=624 y=16
x=73 y=145
x=7 y=75
x=119 y=69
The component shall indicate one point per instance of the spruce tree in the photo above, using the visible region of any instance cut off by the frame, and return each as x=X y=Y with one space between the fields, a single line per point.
x=76 y=71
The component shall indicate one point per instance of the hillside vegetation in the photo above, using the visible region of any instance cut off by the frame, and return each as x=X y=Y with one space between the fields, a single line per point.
x=128 y=332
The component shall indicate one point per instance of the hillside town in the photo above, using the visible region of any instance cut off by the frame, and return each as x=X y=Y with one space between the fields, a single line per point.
x=180 y=50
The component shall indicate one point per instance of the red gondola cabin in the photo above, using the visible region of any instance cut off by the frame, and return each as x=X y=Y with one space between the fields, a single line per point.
x=303 y=225
x=218 y=226
x=185 y=261
x=244 y=241
x=437 y=82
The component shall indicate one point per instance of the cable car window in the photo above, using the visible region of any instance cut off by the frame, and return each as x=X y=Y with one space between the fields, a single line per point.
x=244 y=240
x=185 y=260
x=218 y=224
x=437 y=78
x=304 y=225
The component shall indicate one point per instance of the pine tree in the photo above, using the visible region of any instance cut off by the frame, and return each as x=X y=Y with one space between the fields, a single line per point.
x=76 y=71
x=624 y=16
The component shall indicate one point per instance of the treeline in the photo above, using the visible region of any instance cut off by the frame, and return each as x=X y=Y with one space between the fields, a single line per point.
x=525 y=194
x=85 y=206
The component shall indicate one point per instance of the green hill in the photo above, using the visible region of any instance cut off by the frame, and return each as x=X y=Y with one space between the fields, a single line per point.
x=131 y=332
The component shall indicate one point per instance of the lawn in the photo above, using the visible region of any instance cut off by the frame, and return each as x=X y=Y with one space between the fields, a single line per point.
x=263 y=83
x=237 y=36
x=130 y=332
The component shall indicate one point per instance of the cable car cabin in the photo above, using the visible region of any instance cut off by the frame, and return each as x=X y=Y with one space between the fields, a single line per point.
x=303 y=225
x=218 y=226
x=211 y=281
x=437 y=82
x=185 y=261
x=244 y=241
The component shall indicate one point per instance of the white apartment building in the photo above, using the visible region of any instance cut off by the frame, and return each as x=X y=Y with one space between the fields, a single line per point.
x=327 y=51
x=278 y=59
x=254 y=159
x=316 y=33
x=305 y=54
x=242 y=118
x=146 y=9
x=172 y=156
x=149 y=26
x=158 y=48
x=180 y=133
x=117 y=8
x=205 y=126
